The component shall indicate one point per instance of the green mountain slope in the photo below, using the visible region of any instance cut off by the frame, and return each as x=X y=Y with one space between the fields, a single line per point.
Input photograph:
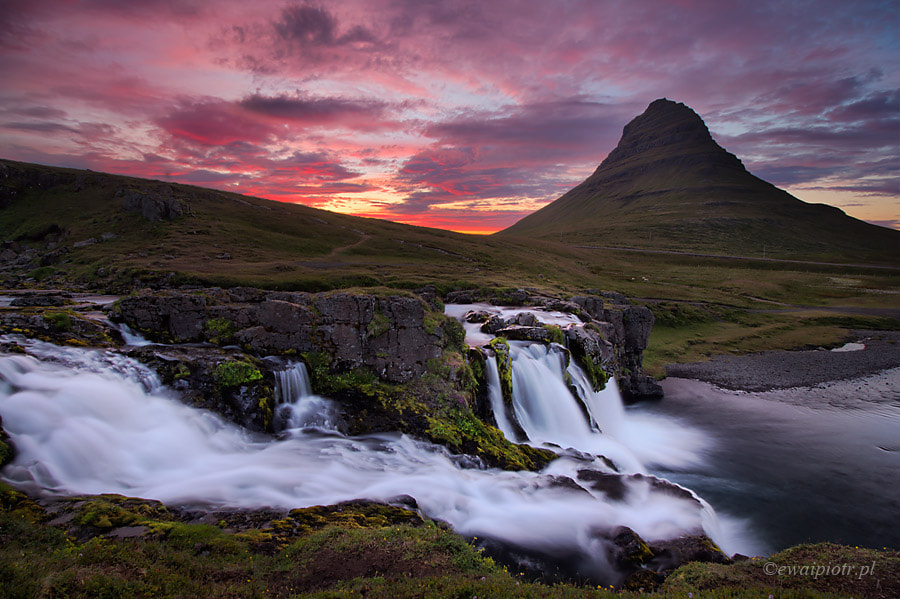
x=59 y=224
x=668 y=185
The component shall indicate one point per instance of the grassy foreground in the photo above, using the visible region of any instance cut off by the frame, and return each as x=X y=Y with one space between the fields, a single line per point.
x=80 y=547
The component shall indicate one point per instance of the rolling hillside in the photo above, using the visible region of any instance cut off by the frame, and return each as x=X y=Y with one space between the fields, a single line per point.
x=82 y=226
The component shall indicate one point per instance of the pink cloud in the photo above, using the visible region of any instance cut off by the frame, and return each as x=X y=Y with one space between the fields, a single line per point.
x=438 y=102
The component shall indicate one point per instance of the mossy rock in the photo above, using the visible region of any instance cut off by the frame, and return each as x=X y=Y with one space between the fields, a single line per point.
x=236 y=372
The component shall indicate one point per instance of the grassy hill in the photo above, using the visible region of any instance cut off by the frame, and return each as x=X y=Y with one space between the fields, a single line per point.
x=704 y=306
x=669 y=186
x=227 y=239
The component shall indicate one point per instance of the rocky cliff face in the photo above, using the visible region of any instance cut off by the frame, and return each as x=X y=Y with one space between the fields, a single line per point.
x=389 y=335
x=609 y=342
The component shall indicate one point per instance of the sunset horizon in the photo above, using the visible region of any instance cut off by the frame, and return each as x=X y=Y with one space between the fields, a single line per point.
x=458 y=116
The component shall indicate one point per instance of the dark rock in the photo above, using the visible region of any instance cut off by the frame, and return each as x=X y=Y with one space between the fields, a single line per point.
x=494 y=324
x=54 y=256
x=525 y=319
x=468 y=296
x=672 y=553
x=387 y=335
x=7 y=450
x=39 y=299
x=630 y=549
x=612 y=485
x=523 y=333
x=197 y=374
x=640 y=387
x=637 y=321
x=154 y=208
x=476 y=316
x=591 y=304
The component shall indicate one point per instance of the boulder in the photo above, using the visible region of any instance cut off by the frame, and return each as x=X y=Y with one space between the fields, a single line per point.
x=225 y=381
x=523 y=333
x=153 y=207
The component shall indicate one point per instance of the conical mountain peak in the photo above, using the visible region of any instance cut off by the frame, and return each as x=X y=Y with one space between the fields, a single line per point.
x=668 y=185
x=664 y=130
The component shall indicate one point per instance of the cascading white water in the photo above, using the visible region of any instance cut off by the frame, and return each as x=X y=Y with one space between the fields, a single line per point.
x=592 y=422
x=100 y=430
x=297 y=407
x=292 y=383
x=495 y=396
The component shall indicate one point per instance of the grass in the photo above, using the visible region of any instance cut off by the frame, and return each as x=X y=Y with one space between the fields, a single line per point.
x=350 y=550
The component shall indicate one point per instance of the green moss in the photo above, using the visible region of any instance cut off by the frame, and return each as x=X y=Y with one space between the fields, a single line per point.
x=6 y=453
x=236 y=372
x=556 y=334
x=379 y=325
x=462 y=432
x=219 y=330
x=61 y=321
x=595 y=373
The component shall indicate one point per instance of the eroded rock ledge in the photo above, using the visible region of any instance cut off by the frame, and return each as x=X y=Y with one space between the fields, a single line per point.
x=389 y=335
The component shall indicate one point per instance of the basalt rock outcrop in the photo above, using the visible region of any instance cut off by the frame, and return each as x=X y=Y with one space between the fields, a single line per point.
x=609 y=341
x=389 y=335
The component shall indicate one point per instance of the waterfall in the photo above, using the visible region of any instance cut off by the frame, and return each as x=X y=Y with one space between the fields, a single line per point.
x=292 y=383
x=296 y=406
x=495 y=396
x=102 y=430
x=589 y=421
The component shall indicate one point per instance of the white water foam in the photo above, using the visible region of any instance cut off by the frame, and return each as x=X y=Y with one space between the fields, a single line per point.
x=593 y=422
x=102 y=429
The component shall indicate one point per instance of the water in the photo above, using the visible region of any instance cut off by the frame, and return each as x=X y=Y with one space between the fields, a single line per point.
x=800 y=465
x=88 y=422
x=589 y=421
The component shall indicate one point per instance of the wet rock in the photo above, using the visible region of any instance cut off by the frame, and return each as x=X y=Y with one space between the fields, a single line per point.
x=612 y=485
x=225 y=381
x=525 y=333
x=493 y=324
x=525 y=319
x=640 y=387
x=630 y=549
x=7 y=450
x=39 y=299
x=474 y=316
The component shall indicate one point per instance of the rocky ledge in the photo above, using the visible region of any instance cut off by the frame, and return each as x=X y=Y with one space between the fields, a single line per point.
x=389 y=335
x=609 y=341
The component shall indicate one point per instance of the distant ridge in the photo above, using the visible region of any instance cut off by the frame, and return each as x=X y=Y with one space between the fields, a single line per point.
x=669 y=185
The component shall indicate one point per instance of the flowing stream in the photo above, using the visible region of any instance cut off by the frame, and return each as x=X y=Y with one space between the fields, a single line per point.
x=89 y=421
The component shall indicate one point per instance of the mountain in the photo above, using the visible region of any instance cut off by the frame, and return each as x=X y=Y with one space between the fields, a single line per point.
x=668 y=185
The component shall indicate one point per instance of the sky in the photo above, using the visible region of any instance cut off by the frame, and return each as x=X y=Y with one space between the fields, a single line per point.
x=457 y=114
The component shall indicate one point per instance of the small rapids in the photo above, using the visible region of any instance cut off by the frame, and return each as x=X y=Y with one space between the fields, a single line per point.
x=90 y=422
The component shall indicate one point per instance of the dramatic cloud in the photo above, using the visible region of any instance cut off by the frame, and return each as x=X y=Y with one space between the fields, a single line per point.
x=462 y=114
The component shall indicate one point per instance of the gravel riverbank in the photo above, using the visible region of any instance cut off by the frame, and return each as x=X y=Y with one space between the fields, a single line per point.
x=785 y=369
